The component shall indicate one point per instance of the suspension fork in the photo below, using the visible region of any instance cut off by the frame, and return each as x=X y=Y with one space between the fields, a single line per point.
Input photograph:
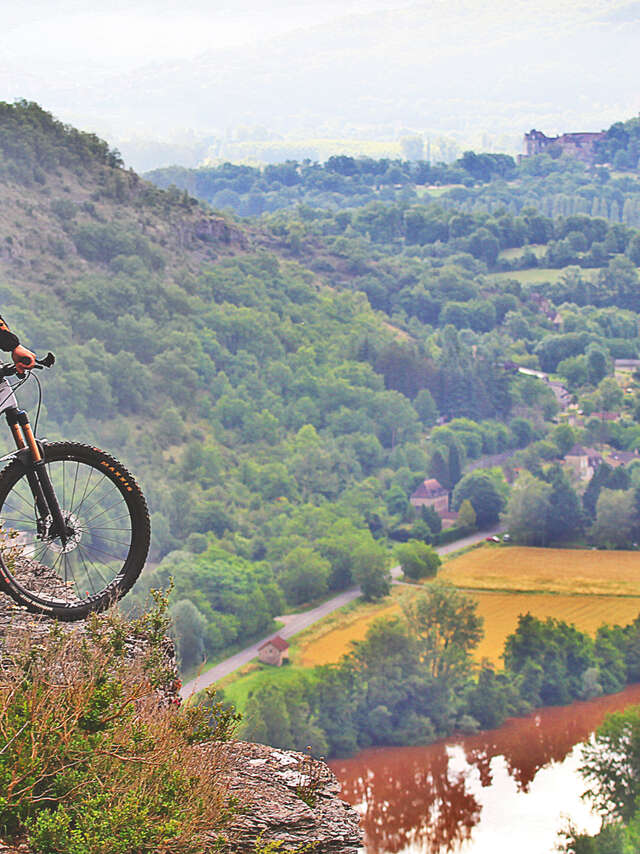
x=37 y=475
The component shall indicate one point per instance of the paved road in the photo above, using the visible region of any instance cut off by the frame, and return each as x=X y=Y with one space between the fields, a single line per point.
x=295 y=623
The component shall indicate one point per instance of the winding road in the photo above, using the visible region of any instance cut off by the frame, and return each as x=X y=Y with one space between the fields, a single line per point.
x=294 y=623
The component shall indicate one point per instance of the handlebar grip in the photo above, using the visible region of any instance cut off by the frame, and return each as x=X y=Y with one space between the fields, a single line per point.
x=46 y=362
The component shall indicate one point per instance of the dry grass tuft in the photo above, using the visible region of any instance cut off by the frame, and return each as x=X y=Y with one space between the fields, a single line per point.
x=93 y=759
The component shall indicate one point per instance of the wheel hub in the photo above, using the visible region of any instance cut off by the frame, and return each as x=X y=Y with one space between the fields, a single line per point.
x=73 y=534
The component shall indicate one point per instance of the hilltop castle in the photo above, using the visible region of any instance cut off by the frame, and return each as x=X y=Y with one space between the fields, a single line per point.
x=580 y=145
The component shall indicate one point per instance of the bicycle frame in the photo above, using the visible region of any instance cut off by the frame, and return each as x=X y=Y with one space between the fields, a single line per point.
x=30 y=453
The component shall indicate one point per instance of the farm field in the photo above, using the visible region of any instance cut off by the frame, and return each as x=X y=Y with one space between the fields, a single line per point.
x=500 y=612
x=534 y=276
x=520 y=568
x=583 y=587
x=518 y=251
x=330 y=639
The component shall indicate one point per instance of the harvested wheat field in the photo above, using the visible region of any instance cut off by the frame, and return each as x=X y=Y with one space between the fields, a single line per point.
x=583 y=587
x=500 y=612
x=520 y=568
x=327 y=641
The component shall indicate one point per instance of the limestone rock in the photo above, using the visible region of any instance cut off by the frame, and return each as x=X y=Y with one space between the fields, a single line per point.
x=281 y=795
x=288 y=797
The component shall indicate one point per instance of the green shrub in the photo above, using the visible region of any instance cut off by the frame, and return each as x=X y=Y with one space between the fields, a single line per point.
x=95 y=755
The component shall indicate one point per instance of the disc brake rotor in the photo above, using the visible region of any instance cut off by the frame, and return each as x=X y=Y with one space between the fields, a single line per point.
x=73 y=535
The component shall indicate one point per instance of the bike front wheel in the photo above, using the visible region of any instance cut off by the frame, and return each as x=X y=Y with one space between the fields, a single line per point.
x=105 y=542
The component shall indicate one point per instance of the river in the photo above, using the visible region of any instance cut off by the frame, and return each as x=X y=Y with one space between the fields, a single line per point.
x=510 y=789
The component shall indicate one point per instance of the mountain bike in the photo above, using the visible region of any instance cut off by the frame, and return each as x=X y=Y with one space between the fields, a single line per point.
x=74 y=524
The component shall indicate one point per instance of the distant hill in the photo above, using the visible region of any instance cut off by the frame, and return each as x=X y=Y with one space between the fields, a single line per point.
x=458 y=69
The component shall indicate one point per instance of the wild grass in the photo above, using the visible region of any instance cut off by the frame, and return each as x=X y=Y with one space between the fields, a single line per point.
x=534 y=276
x=518 y=251
x=95 y=758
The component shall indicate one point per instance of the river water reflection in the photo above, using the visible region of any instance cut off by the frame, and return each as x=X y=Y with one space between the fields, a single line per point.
x=503 y=790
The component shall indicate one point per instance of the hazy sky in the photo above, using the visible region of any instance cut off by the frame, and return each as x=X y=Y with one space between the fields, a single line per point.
x=161 y=69
x=134 y=33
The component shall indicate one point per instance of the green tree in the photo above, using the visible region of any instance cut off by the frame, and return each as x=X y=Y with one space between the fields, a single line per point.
x=396 y=500
x=439 y=465
x=615 y=519
x=431 y=517
x=466 y=515
x=455 y=467
x=267 y=717
x=596 y=364
x=418 y=560
x=564 y=438
x=611 y=765
x=447 y=628
x=485 y=498
x=565 y=516
x=370 y=570
x=610 y=394
x=189 y=630
x=425 y=406
x=305 y=575
x=528 y=510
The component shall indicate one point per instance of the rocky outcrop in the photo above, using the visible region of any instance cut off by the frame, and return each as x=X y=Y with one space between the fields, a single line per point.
x=287 y=797
x=208 y=229
x=280 y=796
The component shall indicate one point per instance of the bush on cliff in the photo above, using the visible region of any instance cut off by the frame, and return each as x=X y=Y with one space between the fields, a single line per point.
x=96 y=755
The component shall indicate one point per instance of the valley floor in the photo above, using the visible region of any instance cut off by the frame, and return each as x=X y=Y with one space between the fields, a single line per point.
x=583 y=587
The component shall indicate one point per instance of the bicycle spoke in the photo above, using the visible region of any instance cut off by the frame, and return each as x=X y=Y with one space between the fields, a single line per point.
x=77 y=509
x=106 y=528
x=28 y=519
x=102 y=551
x=111 y=506
x=75 y=480
x=96 y=528
x=28 y=502
x=81 y=549
x=115 y=542
x=86 y=495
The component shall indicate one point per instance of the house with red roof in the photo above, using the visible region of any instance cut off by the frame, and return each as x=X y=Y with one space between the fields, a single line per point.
x=274 y=651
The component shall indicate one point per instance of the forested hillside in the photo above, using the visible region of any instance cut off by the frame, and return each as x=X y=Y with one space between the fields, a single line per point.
x=277 y=384
x=556 y=184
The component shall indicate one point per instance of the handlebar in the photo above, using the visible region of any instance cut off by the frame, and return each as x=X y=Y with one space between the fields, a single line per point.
x=46 y=362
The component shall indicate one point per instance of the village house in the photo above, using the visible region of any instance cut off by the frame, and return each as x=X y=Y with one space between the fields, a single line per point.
x=274 y=651
x=622 y=458
x=606 y=416
x=583 y=461
x=431 y=493
x=627 y=364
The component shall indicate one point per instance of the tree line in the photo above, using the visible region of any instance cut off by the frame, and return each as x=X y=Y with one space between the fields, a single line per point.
x=411 y=680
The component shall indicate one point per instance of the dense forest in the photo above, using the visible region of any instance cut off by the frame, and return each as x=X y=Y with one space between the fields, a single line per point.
x=281 y=385
x=555 y=184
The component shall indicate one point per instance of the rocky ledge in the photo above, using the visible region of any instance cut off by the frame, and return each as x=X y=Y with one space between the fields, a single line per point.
x=281 y=796
x=290 y=798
